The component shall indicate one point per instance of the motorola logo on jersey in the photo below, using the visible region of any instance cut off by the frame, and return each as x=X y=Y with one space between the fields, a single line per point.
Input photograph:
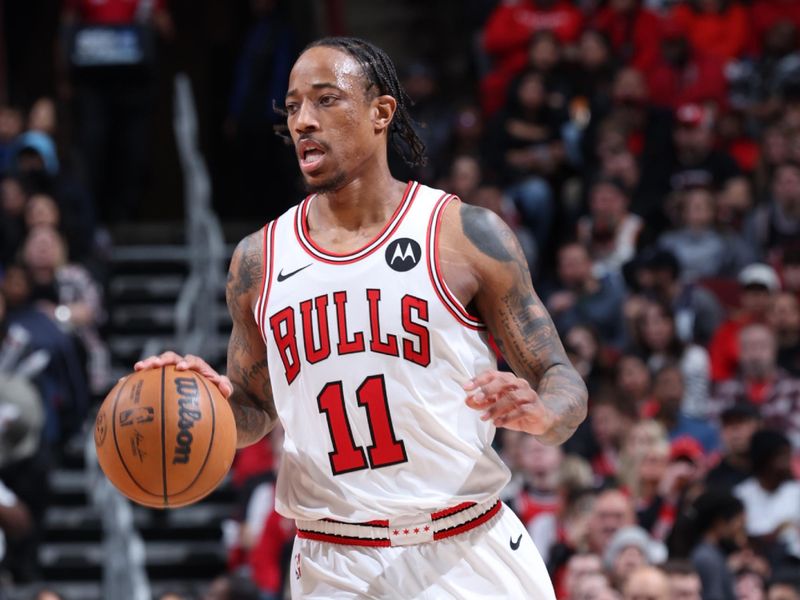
x=403 y=254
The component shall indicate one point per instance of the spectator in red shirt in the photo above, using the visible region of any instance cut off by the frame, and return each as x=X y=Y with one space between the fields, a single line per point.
x=634 y=31
x=684 y=75
x=763 y=384
x=767 y=13
x=717 y=28
x=508 y=32
x=759 y=284
x=118 y=12
x=539 y=467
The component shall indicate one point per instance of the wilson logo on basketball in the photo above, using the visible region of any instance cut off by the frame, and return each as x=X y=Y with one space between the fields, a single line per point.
x=188 y=414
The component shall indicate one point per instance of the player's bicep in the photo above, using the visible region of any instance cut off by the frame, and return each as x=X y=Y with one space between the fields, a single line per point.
x=506 y=299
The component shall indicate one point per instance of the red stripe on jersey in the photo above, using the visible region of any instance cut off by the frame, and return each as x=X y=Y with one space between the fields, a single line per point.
x=269 y=255
x=449 y=301
x=446 y=533
x=446 y=512
x=341 y=539
x=333 y=258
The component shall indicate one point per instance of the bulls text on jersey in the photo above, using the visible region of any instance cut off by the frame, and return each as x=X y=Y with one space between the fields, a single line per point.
x=412 y=344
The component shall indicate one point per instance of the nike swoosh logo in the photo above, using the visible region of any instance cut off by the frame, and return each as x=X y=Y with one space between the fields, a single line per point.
x=514 y=545
x=282 y=277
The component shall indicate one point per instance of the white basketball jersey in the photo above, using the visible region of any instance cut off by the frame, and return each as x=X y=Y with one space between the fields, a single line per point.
x=368 y=352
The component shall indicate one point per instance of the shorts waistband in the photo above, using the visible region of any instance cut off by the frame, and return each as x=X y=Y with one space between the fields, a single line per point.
x=402 y=531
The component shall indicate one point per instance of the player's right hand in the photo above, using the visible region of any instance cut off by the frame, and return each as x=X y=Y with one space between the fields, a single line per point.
x=187 y=363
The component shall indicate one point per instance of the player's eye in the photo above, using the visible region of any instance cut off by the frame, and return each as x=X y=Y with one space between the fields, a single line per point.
x=327 y=100
x=291 y=107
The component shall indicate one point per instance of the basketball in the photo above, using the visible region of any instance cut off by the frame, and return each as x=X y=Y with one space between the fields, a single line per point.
x=165 y=438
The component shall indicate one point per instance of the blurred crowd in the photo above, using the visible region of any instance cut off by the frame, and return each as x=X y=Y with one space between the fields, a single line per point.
x=647 y=155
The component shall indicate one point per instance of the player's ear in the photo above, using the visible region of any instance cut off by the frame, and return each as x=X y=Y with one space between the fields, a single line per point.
x=383 y=108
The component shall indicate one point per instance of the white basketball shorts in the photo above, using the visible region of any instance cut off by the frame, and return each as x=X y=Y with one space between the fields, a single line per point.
x=497 y=559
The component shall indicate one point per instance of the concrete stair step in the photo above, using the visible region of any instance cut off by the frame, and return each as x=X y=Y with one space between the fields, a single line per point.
x=71 y=561
x=149 y=316
x=68 y=487
x=73 y=523
x=122 y=287
x=127 y=349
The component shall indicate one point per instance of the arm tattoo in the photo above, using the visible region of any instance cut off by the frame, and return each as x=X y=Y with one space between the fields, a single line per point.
x=252 y=402
x=521 y=325
x=483 y=234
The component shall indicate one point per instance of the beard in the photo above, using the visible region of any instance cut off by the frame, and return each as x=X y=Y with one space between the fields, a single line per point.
x=335 y=182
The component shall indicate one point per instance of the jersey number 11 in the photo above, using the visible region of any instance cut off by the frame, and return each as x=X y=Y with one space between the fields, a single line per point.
x=346 y=457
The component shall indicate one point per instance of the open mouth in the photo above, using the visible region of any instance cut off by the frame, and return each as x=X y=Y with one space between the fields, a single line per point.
x=311 y=154
x=311 y=157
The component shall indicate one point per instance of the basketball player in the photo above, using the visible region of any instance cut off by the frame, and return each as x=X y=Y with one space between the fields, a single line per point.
x=360 y=320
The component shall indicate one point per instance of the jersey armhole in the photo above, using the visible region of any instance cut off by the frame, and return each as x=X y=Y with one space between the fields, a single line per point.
x=448 y=299
x=268 y=252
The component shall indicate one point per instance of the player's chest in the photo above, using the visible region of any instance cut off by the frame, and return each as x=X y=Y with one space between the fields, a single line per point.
x=341 y=311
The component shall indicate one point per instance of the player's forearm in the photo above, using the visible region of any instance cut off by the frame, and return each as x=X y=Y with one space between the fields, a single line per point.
x=564 y=393
x=253 y=419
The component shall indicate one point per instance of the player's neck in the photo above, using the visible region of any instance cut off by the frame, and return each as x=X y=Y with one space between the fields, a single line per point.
x=366 y=200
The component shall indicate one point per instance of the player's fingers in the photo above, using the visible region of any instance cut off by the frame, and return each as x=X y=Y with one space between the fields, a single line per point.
x=478 y=401
x=190 y=362
x=195 y=363
x=492 y=392
x=480 y=380
x=503 y=406
x=165 y=358
x=221 y=381
x=496 y=392
x=502 y=384
x=225 y=386
x=516 y=413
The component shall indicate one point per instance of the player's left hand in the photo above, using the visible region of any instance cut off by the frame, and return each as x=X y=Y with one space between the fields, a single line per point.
x=508 y=401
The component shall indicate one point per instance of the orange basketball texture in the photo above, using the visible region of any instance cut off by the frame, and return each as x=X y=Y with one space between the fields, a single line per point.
x=165 y=438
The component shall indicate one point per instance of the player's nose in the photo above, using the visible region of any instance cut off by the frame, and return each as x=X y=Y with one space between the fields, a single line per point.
x=306 y=118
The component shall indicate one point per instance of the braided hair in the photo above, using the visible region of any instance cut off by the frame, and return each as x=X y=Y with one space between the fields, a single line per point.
x=381 y=74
